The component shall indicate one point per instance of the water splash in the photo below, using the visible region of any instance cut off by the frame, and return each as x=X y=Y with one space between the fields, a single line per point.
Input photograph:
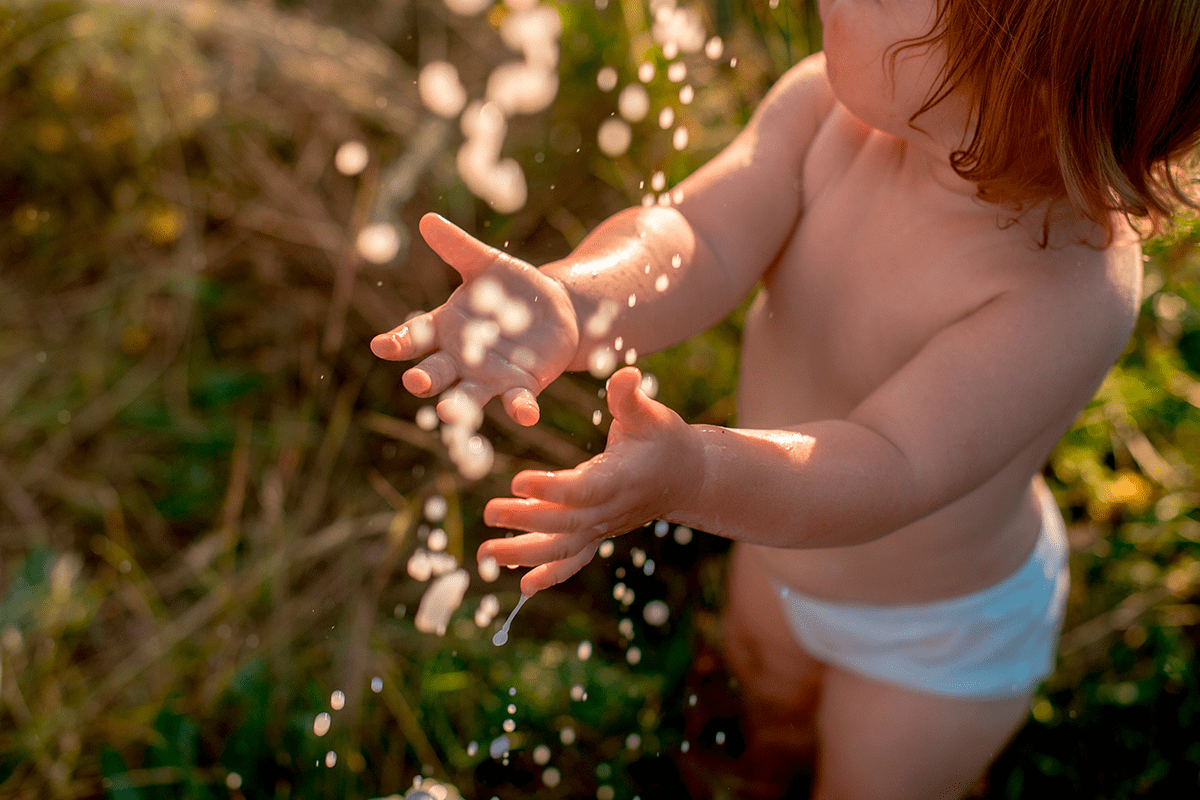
x=500 y=637
x=440 y=601
x=441 y=90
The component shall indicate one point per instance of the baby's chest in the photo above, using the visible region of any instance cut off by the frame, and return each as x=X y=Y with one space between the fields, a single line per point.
x=856 y=295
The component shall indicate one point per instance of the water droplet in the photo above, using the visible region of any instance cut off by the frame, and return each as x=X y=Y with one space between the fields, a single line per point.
x=633 y=103
x=509 y=726
x=551 y=777
x=578 y=694
x=322 y=723
x=714 y=48
x=378 y=242
x=677 y=72
x=633 y=741
x=658 y=181
x=351 y=158
x=606 y=548
x=499 y=746
x=472 y=749
x=686 y=94
x=441 y=599
x=662 y=282
x=435 y=507
x=601 y=362
x=377 y=684
x=646 y=71
x=666 y=118
x=683 y=535
x=330 y=759
x=606 y=79
x=633 y=655
x=337 y=700
x=489 y=607
x=584 y=650
x=720 y=737
x=597 y=417
x=614 y=137
x=567 y=735
x=420 y=568
x=489 y=570
x=438 y=540
x=656 y=612
x=679 y=139
x=632 y=300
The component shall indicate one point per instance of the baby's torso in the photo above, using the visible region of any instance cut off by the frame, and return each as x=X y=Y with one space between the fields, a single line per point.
x=874 y=270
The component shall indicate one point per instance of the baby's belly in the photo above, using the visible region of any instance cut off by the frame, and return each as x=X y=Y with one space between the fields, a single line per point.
x=963 y=548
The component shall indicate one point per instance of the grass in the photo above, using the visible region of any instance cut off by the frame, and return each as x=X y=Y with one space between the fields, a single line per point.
x=209 y=488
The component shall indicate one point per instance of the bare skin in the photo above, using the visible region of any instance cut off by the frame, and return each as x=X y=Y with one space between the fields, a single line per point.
x=909 y=363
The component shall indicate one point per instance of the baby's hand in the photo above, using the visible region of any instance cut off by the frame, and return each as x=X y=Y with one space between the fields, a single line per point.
x=507 y=331
x=650 y=469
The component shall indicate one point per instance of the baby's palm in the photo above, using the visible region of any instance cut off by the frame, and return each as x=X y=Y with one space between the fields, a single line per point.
x=507 y=331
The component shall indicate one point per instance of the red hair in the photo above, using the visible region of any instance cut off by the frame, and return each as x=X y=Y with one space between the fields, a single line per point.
x=1096 y=102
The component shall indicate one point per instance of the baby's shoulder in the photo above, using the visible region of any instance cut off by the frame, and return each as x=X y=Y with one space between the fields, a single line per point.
x=1095 y=290
x=801 y=98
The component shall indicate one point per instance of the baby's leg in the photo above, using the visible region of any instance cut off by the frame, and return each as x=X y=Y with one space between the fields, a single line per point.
x=779 y=681
x=883 y=742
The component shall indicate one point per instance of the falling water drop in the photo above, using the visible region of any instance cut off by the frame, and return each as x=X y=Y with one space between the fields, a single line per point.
x=501 y=636
x=606 y=79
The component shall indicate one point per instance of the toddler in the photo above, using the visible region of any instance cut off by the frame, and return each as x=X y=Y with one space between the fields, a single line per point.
x=939 y=214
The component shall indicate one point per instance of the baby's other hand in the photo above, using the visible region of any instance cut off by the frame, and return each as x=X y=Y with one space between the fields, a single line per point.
x=651 y=469
x=507 y=331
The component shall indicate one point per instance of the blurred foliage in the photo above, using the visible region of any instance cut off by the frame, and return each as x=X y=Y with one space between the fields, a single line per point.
x=209 y=487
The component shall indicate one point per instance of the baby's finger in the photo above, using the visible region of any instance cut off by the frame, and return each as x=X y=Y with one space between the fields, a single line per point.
x=413 y=339
x=523 y=514
x=585 y=486
x=459 y=249
x=433 y=375
x=530 y=549
x=547 y=575
x=521 y=406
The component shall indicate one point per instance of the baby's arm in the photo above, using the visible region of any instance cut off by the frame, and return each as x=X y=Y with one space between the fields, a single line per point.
x=645 y=279
x=978 y=394
x=656 y=276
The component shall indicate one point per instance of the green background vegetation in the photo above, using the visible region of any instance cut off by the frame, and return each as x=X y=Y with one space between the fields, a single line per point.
x=209 y=487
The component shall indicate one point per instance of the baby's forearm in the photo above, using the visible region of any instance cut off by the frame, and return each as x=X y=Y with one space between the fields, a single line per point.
x=643 y=280
x=828 y=484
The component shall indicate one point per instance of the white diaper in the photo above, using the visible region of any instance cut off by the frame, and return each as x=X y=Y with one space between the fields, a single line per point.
x=997 y=642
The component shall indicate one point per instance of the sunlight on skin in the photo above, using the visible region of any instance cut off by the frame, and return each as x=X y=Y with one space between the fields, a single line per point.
x=599 y=497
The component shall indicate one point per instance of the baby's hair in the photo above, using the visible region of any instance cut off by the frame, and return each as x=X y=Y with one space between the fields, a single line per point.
x=1092 y=101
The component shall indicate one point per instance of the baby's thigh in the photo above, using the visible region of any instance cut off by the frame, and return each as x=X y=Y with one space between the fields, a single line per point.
x=885 y=742
x=771 y=666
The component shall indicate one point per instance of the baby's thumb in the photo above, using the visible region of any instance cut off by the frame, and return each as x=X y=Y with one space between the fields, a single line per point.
x=459 y=249
x=627 y=403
